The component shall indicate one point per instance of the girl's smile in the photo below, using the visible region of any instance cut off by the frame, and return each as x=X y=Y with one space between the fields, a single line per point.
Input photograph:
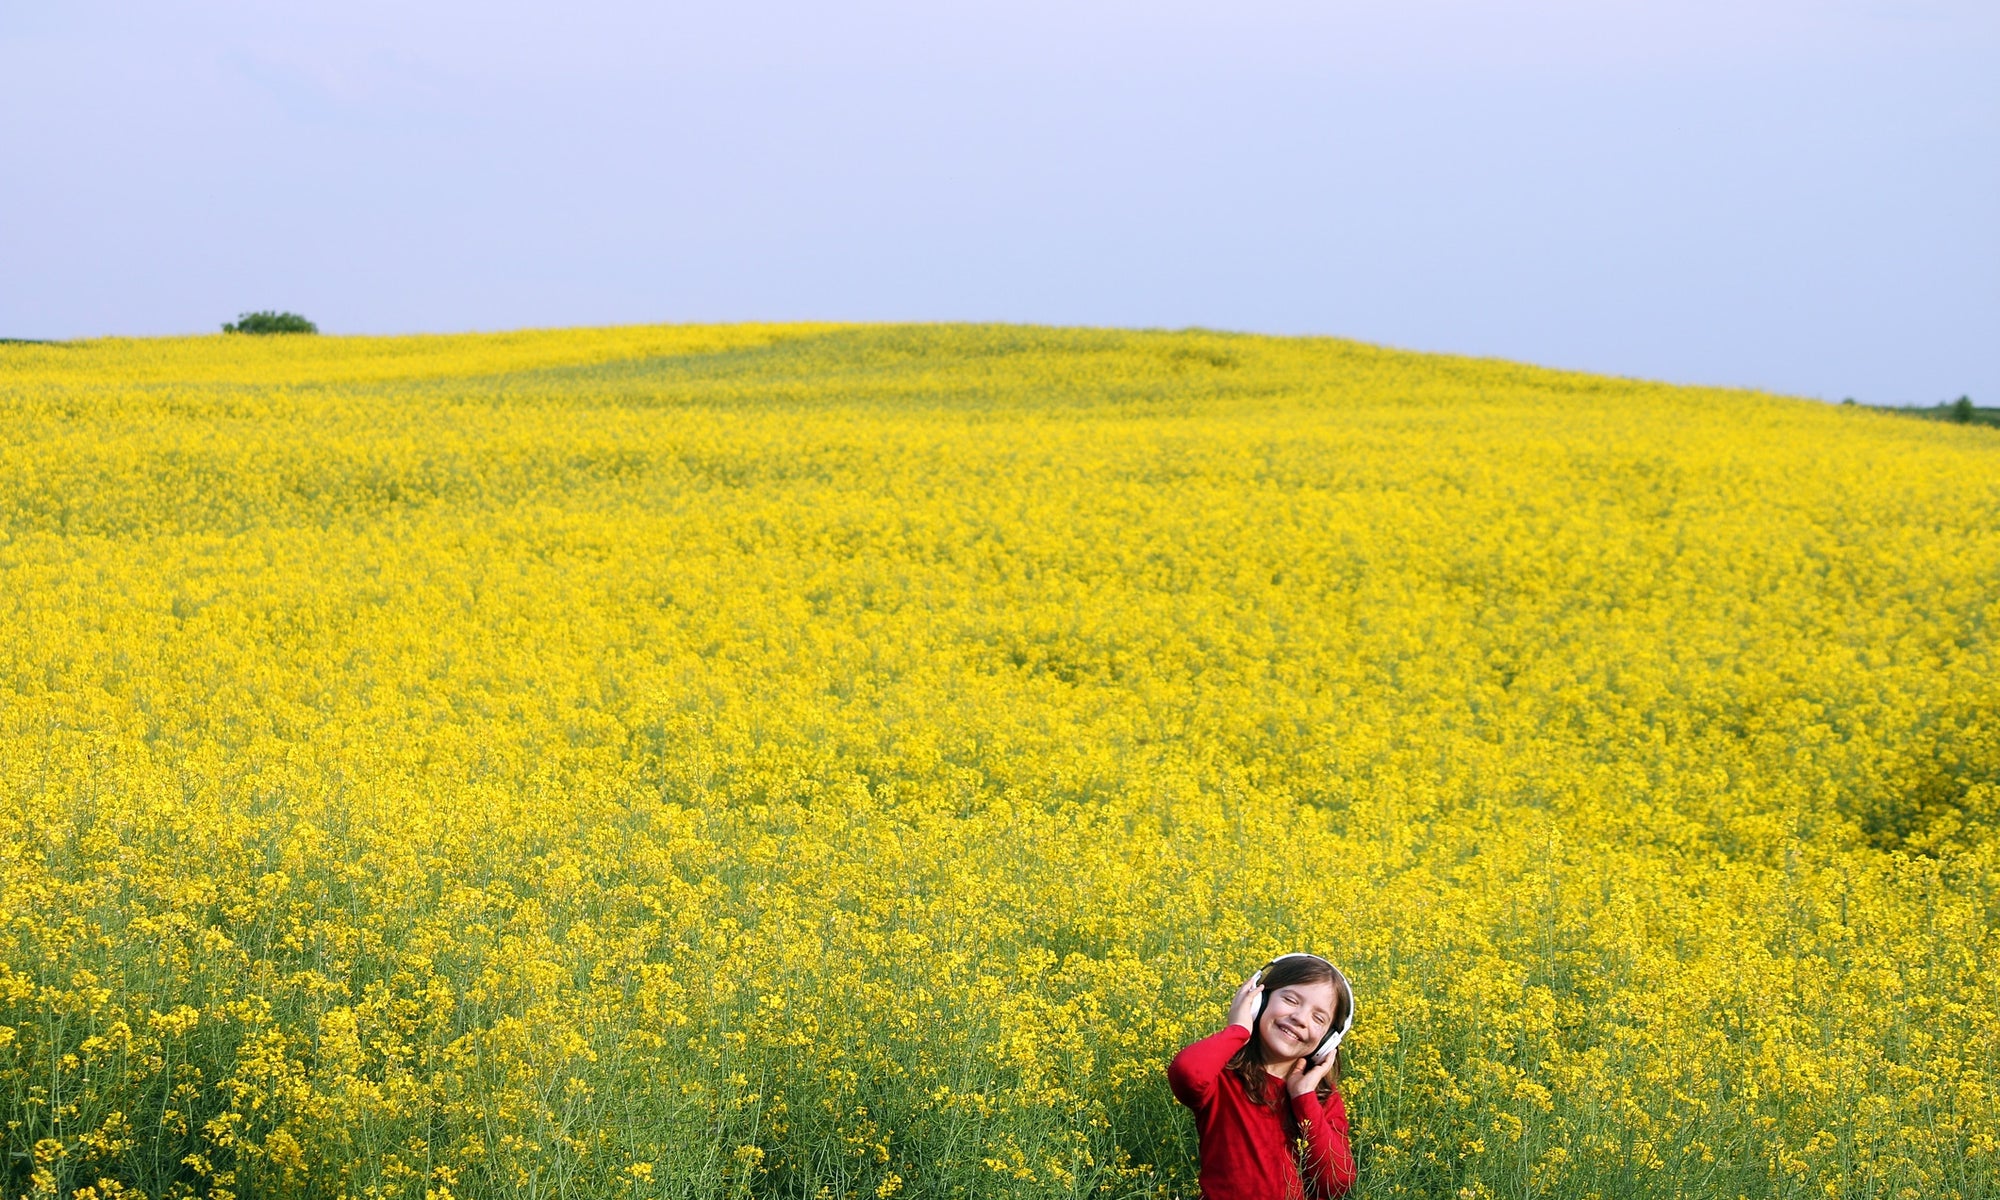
x=1295 y=1019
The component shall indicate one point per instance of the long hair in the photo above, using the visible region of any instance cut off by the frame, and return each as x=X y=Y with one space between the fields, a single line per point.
x=1248 y=1063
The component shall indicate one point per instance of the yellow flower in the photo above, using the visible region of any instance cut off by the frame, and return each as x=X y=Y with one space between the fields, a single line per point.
x=815 y=759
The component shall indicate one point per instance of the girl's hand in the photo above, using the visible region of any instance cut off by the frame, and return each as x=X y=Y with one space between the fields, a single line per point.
x=1305 y=1078
x=1243 y=1009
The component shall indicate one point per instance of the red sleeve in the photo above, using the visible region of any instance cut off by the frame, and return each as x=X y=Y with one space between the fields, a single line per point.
x=1329 y=1165
x=1194 y=1071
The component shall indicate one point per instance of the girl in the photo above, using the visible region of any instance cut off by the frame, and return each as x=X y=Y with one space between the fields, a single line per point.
x=1272 y=1125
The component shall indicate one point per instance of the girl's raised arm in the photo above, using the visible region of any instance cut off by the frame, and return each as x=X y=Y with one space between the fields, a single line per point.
x=1329 y=1160
x=1195 y=1069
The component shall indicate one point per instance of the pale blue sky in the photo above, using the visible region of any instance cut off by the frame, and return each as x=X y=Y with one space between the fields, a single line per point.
x=1798 y=196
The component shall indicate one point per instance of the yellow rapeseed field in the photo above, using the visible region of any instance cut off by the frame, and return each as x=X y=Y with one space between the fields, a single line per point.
x=813 y=761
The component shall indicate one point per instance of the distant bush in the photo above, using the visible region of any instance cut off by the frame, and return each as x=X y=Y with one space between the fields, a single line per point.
x=1961 y=411
x=270 y=322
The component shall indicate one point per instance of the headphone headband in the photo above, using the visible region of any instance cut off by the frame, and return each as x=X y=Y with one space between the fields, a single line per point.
x=1331 y=1042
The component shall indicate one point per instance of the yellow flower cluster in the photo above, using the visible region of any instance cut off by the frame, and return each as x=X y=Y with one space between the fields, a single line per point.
x=833 y=762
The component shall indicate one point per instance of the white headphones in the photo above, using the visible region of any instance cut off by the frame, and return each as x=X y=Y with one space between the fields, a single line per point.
x=1329 y=1043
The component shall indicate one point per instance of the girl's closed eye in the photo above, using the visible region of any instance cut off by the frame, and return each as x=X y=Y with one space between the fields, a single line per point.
x=1294 y=1019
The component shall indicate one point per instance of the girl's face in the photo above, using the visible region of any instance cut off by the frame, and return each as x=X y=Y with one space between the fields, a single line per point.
x=1295 y=1018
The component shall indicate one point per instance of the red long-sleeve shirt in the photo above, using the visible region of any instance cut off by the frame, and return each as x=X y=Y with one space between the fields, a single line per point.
x=1246 y=1148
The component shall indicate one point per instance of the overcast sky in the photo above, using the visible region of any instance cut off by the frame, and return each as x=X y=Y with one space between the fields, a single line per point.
x=1800 y=196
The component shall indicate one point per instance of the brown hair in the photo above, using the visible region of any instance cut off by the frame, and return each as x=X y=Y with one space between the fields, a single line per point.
x=1248 y=1062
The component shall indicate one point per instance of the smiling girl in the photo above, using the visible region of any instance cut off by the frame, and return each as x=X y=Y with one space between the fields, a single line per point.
x=1271 y=1123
